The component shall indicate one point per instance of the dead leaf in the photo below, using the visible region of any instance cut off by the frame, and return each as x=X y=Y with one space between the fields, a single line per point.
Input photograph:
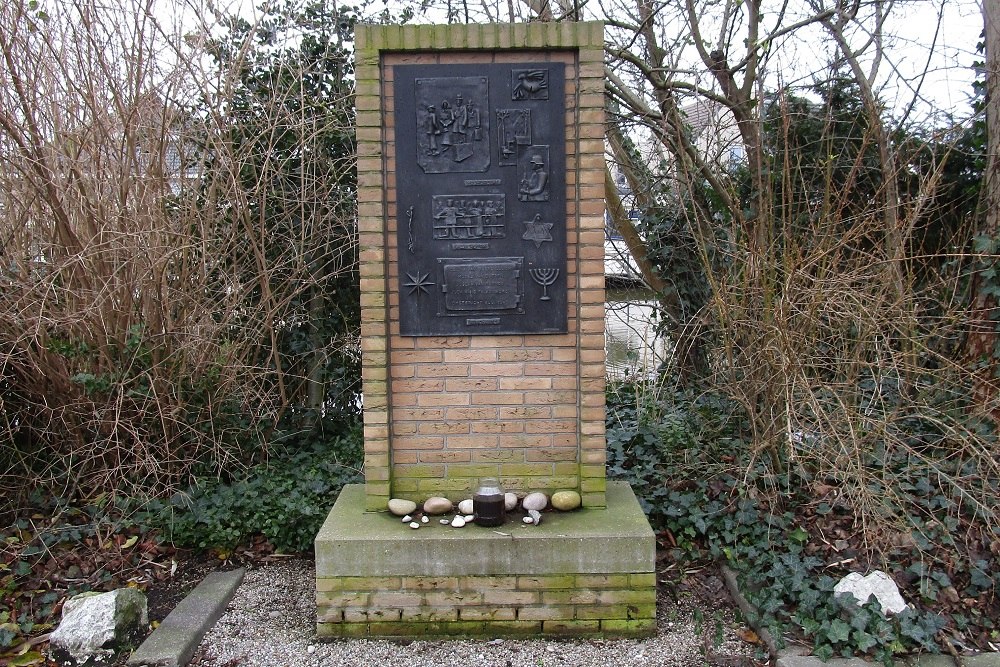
x=748 y=635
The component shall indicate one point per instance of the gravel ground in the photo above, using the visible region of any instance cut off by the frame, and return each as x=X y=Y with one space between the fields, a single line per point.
x=271 y=620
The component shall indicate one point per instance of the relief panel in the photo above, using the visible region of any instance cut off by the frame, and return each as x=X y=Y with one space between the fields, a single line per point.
x=480 y=173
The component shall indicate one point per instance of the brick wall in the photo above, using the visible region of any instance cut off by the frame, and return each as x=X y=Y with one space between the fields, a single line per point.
x=582 y=604
x=441 y=412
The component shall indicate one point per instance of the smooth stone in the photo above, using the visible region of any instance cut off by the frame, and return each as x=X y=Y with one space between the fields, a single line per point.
x=469 y=518
x=407 y=519
x=425 y=519
x=438 y=505
x=535 y=501
x=536 y=516
x=465 y=507
x=443 y=522
x=528 y=520
x=566 y=500
x=414 y=525
x=458 y=522
x=509 y=501
x=400 y=507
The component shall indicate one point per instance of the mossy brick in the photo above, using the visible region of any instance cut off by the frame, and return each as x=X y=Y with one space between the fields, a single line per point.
x=342 y=630
x=443 y=486
x=525 y=469
x=368 y=614
x=592 y=471
x=593 y=485
x=546 y=613
x=422 y=470
x=429 y=583
x=325 y=615
x=615 y=611
x=489 y=613
x=489 y=582
x=429 y=614
x=371 y=583
x=463 y=598
x=327 y=584
x=566 y=468
x=644 y=596
x=405 y=486
x=642 y=580
x=572 y=596
x=639 y=627
x=570 y=628
x=397 y=599
x=546 y=583
x=594 y=500
x=598 y=581
x=510 y=598
x=343 y=599
x=472 y=470
x=374 y=474
x=431 y=629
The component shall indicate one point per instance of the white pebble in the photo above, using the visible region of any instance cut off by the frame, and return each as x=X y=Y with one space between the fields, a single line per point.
x=528 y=519
x=407 y=519
x=509 y=501
x=424 y=519
x=465 y=507
x=469 y=518
x=311 y=649
x=443 y=522
x=535 y=501
x=414 y=525
x=458 y=522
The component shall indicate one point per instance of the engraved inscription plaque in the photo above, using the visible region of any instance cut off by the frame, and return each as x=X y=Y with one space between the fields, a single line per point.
x=481 y=286
x=481 y=198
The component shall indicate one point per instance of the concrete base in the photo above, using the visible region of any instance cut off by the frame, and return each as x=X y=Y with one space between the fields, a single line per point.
x=584 y=573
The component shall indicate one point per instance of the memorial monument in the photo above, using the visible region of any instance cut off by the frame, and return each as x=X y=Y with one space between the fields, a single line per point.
x=481 y=221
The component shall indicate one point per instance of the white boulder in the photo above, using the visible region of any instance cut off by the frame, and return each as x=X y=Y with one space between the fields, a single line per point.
x=96 y=624
x=877 y=583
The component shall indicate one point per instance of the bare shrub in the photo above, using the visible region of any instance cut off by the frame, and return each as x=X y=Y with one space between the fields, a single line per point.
x=158 y=270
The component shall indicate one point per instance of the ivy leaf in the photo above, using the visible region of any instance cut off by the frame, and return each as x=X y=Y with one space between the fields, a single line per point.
x=864 y=641
x=838 y=632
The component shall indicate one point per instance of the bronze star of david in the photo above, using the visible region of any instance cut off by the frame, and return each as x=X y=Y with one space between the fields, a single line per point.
x=418 y=283
x=537 y=231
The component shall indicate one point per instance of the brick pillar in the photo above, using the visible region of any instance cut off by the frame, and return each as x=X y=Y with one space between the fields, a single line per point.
x=441 y=412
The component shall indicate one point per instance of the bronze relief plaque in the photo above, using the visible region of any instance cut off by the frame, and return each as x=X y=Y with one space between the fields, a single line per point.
x=481 y=195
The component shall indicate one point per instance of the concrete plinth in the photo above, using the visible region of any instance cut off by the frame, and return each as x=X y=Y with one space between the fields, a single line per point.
x=584 y=573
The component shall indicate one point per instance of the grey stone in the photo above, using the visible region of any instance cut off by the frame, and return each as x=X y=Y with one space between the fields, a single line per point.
x=535 y=501
x=438 y=505
x=509 y=501
x=401 y=507
x=536 y=516
x=96 y=624
x=877 y=583
x=174 y=641
x=566 y=500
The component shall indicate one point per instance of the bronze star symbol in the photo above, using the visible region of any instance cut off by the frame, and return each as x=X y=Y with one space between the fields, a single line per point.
x=418 y=283
x=537 y=231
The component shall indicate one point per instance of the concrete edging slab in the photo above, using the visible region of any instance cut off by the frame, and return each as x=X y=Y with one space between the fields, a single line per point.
x=927 y=660
x=175 y=640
